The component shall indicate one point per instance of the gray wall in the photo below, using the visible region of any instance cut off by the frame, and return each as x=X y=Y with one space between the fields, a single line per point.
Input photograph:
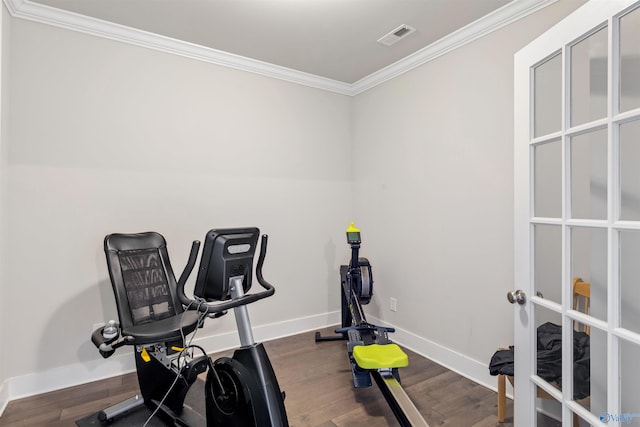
x=108 y=137
x=5 y=21
x=433 y=163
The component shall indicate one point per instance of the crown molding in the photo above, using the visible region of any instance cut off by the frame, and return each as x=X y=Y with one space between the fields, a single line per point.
x=37 y=12
x=506 y=15
x=499 y=18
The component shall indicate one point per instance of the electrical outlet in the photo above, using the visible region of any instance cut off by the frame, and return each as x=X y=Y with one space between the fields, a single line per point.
x=393 y=304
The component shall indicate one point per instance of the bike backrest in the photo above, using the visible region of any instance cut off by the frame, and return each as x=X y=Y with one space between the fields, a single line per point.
x=143 y=281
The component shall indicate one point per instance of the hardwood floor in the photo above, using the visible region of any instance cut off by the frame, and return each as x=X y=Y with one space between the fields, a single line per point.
x=317 y=381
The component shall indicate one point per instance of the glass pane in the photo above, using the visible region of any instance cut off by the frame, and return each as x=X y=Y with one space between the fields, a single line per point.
x=589 y=78
x=589 y=175
x=545 y=408
x=589 y=270
x=547 y=181
x=629 y=276
x=549 y=347
x=547 y=102
x=630 y=61
x=629 y=171
x=629 y=384
x=579 y=422
x=590 y=368
x=547 y=262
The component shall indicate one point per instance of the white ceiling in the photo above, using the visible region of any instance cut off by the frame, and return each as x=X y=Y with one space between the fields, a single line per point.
x=333 y=39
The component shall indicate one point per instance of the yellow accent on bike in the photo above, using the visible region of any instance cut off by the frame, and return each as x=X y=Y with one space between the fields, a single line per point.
x=176 y=348
x=145 y=355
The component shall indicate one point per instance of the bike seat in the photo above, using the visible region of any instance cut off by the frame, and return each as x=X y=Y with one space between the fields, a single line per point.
x=380 y=356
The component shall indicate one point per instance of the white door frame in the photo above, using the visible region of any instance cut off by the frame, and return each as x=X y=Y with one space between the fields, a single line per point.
x=583 y=20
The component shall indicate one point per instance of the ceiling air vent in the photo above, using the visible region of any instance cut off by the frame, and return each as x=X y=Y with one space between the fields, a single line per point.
x=396 y=35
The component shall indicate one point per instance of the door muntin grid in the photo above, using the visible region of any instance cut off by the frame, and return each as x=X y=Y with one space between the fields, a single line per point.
x=593 y=204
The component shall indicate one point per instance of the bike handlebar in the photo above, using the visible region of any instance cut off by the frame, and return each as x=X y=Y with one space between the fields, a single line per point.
x=220 y=307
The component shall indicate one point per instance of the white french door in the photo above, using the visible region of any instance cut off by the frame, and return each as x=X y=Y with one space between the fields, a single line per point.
x=577 y=215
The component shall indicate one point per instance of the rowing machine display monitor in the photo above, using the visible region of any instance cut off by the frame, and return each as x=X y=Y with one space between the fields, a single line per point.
x=353 y=235
x=225 y=256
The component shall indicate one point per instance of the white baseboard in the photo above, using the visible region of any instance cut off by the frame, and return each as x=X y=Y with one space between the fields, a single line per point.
x=4 y=396
x=476 y=371
x=269 y=332
x=98 y=369
x=69 y=375
x=122 y=362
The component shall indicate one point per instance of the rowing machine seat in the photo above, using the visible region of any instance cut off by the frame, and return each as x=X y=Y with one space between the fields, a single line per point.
x=380 y=356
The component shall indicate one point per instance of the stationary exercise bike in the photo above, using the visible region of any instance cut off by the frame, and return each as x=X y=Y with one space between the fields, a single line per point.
x=156 y=315
x=371 y=353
